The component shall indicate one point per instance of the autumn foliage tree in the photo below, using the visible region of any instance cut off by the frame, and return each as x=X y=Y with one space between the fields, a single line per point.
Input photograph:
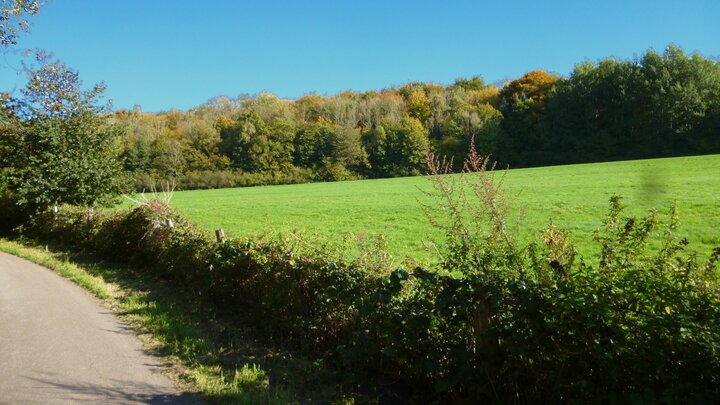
x=524 y=105
x=660 y=104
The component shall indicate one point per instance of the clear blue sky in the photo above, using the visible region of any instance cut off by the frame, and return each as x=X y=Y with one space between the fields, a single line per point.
x=165 y=54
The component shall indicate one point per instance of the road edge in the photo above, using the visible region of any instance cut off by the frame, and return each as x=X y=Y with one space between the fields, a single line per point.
x=109 y=295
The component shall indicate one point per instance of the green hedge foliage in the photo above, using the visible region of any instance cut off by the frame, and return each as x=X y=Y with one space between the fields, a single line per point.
x=497 y=325
x=209 y=179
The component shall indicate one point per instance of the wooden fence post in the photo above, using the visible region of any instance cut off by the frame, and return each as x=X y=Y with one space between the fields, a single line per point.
x=220 y=235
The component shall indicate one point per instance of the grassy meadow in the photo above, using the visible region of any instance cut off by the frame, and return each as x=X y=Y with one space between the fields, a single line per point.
x=573 y=197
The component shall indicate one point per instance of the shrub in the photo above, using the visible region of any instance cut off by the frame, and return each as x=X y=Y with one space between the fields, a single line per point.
x=506 y=323
x=309 y=301
x=210 y=179
x=11 y=214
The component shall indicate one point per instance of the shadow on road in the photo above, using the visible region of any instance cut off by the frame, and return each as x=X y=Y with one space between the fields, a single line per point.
x=114 y=391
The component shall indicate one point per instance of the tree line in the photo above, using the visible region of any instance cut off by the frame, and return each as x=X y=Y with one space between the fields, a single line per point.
x=59 y=144
x=655 y=105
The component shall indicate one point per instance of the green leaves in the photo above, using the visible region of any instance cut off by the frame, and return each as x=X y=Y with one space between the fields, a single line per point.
x=258 y=146
x=60 y=149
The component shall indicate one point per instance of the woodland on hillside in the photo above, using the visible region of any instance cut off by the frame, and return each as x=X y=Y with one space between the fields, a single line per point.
x=656 y=105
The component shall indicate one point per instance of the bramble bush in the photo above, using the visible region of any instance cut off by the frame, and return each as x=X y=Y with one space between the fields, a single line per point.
x=496 y=321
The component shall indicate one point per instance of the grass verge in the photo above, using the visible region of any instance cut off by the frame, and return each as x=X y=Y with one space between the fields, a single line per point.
x=220 y=361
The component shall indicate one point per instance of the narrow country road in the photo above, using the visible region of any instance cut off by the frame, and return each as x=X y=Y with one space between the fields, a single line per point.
x=58 y=345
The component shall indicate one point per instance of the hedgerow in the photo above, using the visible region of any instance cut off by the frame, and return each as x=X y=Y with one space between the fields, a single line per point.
x=496 y=321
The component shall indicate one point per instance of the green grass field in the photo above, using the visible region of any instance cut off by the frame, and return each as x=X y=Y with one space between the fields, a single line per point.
x=574 y=197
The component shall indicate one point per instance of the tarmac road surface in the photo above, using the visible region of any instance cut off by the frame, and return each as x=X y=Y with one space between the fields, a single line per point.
x=58 y=345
